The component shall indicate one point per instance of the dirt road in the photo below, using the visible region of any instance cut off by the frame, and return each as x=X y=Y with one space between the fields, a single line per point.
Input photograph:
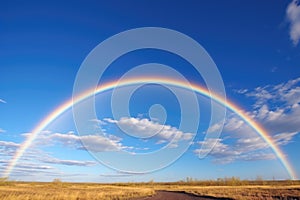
x=165 y=195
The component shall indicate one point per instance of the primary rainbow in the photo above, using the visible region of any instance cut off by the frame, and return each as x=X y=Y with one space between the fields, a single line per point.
x=108 y=86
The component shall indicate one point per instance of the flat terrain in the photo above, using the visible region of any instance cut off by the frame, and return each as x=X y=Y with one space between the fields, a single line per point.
x=70 y=191
x=285 y=190
x=243 y=192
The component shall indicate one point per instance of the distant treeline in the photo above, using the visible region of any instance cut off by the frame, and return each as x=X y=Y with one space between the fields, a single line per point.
x=227 y=181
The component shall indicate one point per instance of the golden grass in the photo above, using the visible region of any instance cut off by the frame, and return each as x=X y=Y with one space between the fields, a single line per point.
x=69 y=191
x=241 y=192
x=118 y=191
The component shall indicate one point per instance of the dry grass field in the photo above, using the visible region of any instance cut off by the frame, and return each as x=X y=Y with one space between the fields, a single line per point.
x=85 y=191
x=70 y=191
x=243 y=192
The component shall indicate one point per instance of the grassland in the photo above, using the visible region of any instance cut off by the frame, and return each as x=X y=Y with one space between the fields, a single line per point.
x=230 y=188
x=242 y=192
x=70 y=191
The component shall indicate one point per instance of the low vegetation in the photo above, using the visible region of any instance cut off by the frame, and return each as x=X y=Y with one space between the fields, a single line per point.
x=70 y=191
x=227 y=187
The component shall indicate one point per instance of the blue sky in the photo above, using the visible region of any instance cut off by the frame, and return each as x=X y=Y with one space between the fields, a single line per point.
x=253 y=43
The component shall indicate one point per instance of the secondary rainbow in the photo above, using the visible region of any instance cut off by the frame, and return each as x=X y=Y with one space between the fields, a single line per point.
x=108 y=86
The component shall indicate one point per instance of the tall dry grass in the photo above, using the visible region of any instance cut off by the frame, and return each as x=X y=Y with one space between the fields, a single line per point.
x=229 y=188
x=69 y=191
x=250 y=192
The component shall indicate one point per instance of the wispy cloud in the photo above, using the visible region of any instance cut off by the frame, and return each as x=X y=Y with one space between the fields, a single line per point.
x=52 y=160
x=293 y=16
x=241 y=91
x=33 y=166
x=35 y=161
x=121 y=174
x=2 y=130
x=284 y=138
x=2 y=101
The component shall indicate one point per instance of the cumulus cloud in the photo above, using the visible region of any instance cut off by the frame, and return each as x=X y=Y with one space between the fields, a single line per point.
x=104 y=142
x=276 y=108
x=245 y=149
x=293 y=17
x=144 y=128
x=220 y=149
x=95 y=143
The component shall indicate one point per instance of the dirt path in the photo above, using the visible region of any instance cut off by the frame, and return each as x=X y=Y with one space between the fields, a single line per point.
x=165 y=195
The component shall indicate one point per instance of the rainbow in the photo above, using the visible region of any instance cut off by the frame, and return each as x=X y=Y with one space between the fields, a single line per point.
x=108 y=86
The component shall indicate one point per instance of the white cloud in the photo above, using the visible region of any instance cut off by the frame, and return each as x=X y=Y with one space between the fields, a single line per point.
x=36 y=161
x=258 y=156
x=27 y=168
x=2 y=101
x=95 y=143
x=241 y=91
x=52 y=160
x=261 y=94
x=252 y=143
x=293 y=16
x=277 y=107
x=118 y=174
x=284 y=138
x=219 y=150
x=8 y=144
x=8 y=148
x=246 y=149
x=2 y=130
x=233 y=123
x=33 y=166
x=144 y=128
x=107 y=142
x=98 y=121
x=215 y=127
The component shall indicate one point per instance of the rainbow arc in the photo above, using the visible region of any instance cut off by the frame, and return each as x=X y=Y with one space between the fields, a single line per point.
x=108 y=86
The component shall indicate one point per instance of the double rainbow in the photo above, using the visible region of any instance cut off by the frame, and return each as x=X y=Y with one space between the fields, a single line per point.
x=108 y=86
